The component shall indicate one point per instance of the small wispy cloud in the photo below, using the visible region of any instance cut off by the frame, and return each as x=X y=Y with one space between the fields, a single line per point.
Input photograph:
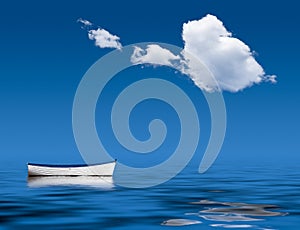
x=155 y=55
x=84 y=22
x=102 y=38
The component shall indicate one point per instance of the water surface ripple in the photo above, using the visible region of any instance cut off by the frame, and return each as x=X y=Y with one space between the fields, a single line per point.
x=252 y=198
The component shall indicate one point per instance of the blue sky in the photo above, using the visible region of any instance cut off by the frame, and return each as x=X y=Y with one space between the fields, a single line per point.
x=44 y=55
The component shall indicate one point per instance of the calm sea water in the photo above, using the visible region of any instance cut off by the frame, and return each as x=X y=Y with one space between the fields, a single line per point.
x=224 y=197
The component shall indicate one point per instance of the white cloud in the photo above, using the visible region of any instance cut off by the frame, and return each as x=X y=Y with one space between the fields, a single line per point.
x=198 y=73
x=229 y=59
x=271 y=79
x=104 y=39
x=84 y=22
x=155 y=55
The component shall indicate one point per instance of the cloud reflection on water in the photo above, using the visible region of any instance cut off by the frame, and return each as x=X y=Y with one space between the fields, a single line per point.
x=233 y=212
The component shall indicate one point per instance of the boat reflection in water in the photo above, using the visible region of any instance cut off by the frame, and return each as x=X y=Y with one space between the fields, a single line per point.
x=101 y=182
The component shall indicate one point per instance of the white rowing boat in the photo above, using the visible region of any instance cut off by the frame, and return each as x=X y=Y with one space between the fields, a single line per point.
x=105 y=169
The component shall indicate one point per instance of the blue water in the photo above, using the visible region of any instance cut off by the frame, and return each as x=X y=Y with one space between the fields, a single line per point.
x=223 y=198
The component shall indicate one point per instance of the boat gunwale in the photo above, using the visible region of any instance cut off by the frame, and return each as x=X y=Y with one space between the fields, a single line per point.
x=69 y=165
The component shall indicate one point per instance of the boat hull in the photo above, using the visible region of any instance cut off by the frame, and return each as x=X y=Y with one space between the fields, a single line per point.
x=105 y=169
